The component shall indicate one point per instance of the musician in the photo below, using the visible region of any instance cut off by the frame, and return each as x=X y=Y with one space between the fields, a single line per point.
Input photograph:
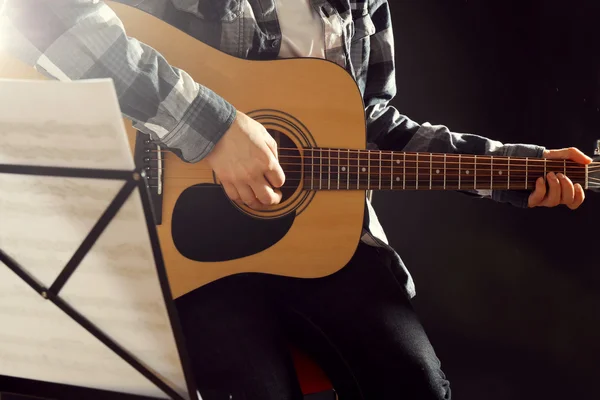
x=358 y=323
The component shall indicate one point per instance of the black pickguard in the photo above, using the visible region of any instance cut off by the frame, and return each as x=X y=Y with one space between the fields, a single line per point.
x=207 y=227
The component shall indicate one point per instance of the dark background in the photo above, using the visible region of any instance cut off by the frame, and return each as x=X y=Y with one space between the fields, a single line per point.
x=510 y=297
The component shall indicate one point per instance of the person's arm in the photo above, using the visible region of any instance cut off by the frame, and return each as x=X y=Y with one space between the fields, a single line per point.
x=388 y=129
x=85 y=39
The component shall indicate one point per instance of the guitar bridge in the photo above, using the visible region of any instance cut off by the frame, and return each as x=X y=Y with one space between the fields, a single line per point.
x=149 y=157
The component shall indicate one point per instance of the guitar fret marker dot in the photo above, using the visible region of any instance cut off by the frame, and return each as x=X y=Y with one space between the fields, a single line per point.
x=499 y=172
x=344 y=169
x=363 y=169
x=437 y=171
x=397 y=161
x=467 y=172
x=398 y=179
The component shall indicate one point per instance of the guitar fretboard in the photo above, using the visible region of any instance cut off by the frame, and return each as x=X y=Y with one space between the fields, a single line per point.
x=340 y=169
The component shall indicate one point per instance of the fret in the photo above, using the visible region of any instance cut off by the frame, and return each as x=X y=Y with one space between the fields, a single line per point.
x=430 y=170
x=438 y=165
x=386 y=159
x=358 y=170
x=459 y=170
x=501 y=171
x=348 y=177
x=355 y=167
x=380 y=171
x=320 y=168
x=333 y=173
x=404 y=171
x=545 y=163
x=484 y=172
x=368 y=169
x=467 y=173
x=312 y=174
x=328 y=169
x=417 y=171
x=508 y=174
x=338 y=173
x=565 y=167
x=491 y=172
x=325 y=167
x=475 y=173
x=444 y=171
x=526 y=171
x=363 y=166
x=334 y=169
x=392 y=171
x=411 y=169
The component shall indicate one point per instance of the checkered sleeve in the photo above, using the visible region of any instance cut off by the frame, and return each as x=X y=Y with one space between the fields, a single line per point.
x=388 y=129
x=85 y=39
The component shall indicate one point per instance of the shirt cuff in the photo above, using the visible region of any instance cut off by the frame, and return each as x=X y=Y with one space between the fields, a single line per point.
x=208 y=118
x=518 y=198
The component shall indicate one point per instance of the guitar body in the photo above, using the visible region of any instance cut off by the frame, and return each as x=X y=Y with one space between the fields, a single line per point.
x=305 y=103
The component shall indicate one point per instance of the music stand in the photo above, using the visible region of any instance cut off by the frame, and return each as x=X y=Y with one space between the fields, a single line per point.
x=99 y=282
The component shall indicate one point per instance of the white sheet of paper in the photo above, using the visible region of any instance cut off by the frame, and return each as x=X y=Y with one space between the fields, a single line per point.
x=43 y=220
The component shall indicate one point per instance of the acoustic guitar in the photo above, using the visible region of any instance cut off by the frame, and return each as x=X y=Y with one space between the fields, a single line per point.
x=315 y=111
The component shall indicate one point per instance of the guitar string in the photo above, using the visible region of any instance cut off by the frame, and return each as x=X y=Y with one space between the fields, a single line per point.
x=555 y=164
x=480 y=172
x=402 y=154
x=420 y=171
x=410 y=184
x=480 y=184
x=449 y=187
x=333 y=175
x=515 y=177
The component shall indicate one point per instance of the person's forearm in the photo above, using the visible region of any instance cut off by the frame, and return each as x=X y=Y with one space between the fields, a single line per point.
x=84 y=39
x=390 y=130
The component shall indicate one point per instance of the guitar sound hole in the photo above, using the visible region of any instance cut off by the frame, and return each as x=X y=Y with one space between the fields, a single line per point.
x=291 y=163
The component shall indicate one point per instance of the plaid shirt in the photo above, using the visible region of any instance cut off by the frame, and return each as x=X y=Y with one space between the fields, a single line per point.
x=84 y=39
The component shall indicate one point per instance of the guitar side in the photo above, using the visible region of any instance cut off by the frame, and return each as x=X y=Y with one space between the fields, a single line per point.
x=315 y=102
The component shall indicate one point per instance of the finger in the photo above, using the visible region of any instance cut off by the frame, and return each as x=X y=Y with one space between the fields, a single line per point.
x=537 y=196
x=553 y=197
x=231 y=192
x=570 y=153
x=557 y=154
x=247 y=195
x=275 y=174
x=577 y=156
x=272 y=145
x=264 y=192
x=579 y=197
x=566 y=188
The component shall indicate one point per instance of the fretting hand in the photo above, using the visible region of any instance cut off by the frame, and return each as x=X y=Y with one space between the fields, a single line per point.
x=561 y=188
x=245 y=160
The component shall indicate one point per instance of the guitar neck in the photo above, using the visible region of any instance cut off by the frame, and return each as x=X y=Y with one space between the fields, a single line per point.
x=343 y=169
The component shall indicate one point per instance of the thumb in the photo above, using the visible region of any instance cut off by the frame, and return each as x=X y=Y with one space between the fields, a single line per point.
x=570 y=153
x=272 y=145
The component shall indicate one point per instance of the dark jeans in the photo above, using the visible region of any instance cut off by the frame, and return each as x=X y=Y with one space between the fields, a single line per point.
x=358 y=324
